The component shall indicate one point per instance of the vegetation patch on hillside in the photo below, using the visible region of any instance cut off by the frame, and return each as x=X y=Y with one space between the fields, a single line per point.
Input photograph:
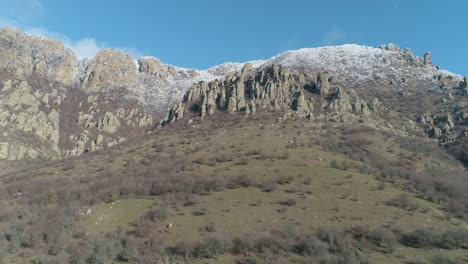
x=107 y=217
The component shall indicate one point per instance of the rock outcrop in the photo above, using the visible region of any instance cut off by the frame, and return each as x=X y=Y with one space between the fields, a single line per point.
x=427 y=59
x=23 y=56
x=322 y=84
x=53 y=104
x=464 y=86
x=109 y=69
x=272 y=88
x=176 y=113
x=275 y=88
x=28 y=112
x=347 y=100
x=156 y=68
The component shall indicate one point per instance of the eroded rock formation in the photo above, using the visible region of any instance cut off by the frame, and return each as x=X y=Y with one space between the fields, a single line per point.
x=275 y=88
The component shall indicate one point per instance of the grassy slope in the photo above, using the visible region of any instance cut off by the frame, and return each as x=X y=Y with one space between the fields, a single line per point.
x=325 y=196
x=108 y=216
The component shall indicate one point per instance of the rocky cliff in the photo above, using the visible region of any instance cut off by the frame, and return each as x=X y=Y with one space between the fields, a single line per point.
x=54 y=104
x=294 y=95
x=415 y=99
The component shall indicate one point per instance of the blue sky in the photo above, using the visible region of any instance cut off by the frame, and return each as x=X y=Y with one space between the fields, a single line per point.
x=203 y=33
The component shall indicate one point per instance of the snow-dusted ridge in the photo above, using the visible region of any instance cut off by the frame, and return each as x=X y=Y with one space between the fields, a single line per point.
x=354 y=63
x=352 y=59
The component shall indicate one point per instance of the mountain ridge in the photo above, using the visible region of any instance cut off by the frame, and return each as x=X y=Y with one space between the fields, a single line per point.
x=57 y=105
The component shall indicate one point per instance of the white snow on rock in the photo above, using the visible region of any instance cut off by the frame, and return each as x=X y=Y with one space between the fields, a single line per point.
x=354 y=63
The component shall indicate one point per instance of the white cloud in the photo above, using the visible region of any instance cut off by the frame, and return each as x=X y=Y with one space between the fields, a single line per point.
x=19 y=13
x=334 y=37
x=85 y=48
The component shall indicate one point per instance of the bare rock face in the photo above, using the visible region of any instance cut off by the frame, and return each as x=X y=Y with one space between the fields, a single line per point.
x=272 y=88
x=54 y=105
x=97 y=129
x=109 y=69
x=176 y=113
x=156 y=68
x=411 y=58
x=28 y=112
x=23 y=56
x=275 y=88
x=347 y=100
x=9 y=151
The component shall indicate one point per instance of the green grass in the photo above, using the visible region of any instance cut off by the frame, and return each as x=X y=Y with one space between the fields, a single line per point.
x=107 y=217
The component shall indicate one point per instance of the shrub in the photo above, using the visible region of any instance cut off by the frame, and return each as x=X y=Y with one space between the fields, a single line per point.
x=183 y=249
x=241 y=181
x=359 y=232
x=284 y=180
x=419 y=238
x=343 y=165
x=334 y=164
x=223 y=158
x=288 y=202
x=311 y=246
x=200 y=211
x=110 y=198
x=210 y=248
x=403 y=201
x=384 y=238
x=453 y=238
x=271 y=245
x=270 y=186
x=244 y=244
x=242 y=162
x=210 y=228
x=157 y=215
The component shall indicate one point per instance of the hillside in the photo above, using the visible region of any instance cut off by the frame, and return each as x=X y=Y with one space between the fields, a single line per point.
x=242 y=180
x=333 y=155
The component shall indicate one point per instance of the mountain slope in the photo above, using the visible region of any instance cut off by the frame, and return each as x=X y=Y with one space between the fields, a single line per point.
x=274 y=185
x=56 y=105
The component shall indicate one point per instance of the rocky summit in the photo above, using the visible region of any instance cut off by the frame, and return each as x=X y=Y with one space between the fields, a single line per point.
x=55 y=105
